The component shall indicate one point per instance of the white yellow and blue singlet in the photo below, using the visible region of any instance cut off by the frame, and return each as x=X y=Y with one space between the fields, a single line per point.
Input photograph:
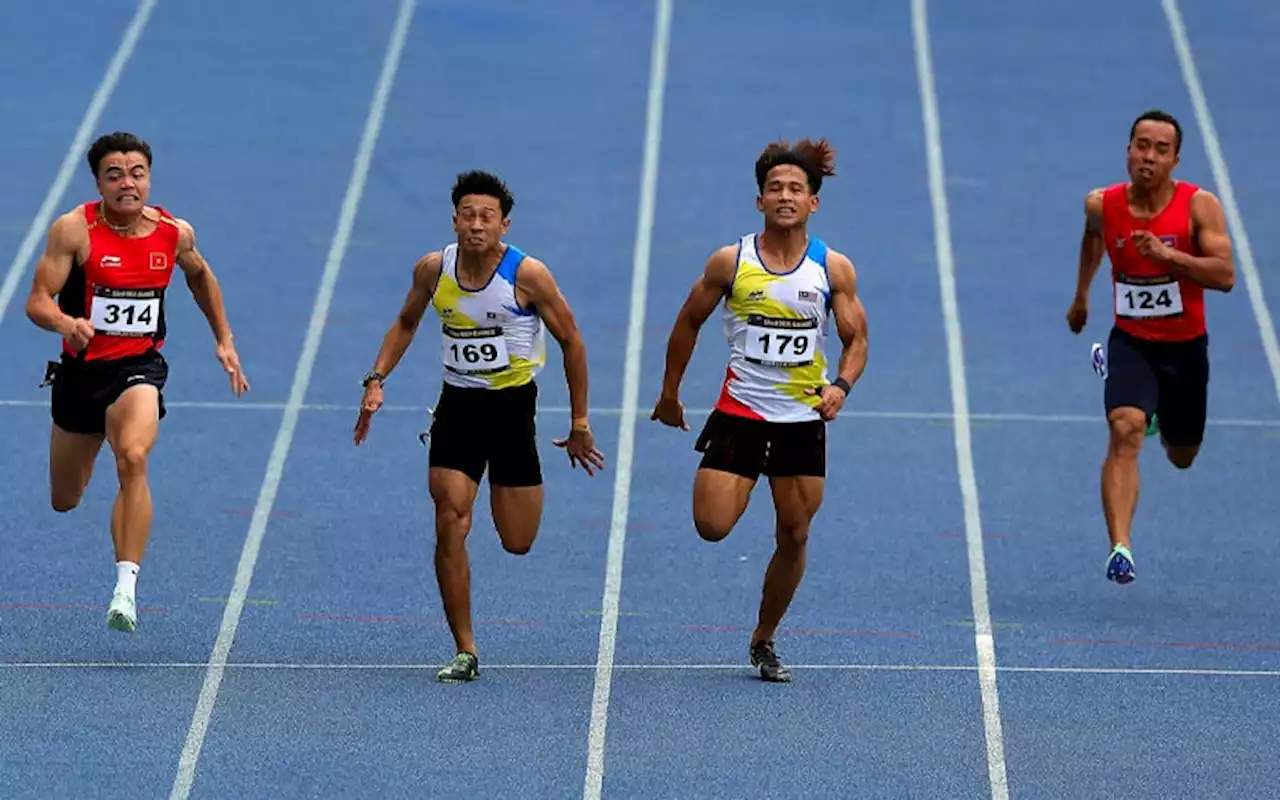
x=488 y=340
x=776 y=327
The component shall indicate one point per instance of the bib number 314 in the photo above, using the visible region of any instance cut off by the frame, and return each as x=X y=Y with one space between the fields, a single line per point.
x=475 y=350
x=781 y=342
x=125 y=312
x=1143 y=301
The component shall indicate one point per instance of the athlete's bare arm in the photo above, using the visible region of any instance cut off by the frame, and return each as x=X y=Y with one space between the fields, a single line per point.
x=539 y=290
x=1092 y=249
x=850 y=316
x=1215 y=268
x=202 y=283
x=707 y=292
x=68 y=237
x=426 y=274
x=208 y=296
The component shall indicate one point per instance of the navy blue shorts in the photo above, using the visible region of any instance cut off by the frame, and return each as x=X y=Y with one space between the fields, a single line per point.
x=1169 y=379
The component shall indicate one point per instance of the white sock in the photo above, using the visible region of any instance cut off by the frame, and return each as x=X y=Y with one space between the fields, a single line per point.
x=126 y=577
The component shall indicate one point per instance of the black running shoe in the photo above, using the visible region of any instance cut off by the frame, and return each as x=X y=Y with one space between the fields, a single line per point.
x=464 y=667
x=771 y=667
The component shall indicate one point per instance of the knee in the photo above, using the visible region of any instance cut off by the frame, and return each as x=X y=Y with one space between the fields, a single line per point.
x=519 y=547
x=1128 y=429
x=131 y=463
x=1181 y=457
x=62 y=503
x=452 y=525
x=792 y=538
x=710 y=528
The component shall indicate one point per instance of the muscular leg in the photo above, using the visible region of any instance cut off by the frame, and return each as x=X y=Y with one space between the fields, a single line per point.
x=796 y=501
x=517 y=514
x=1181 y=456
x=719 y=500
x=133 y=425
x=454 y=495
x=71 y=460
x=1120 y=472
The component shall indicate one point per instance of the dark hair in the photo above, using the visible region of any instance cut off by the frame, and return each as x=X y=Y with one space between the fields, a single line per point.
x=817 y=159
x=118 y=142
x=486 y=183
x=1155 y=115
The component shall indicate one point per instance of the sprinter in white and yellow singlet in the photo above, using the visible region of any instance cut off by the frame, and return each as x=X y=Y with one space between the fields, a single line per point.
x=780 y=289
x=492 y=301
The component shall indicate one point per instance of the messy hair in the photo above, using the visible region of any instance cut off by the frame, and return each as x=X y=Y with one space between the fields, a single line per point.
x=485 y=183
x=817 y=159
x=118 y=142
x=1155 y=115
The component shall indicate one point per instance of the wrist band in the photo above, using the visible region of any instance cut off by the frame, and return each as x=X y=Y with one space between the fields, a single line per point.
x=581 y=424
x=842 y=385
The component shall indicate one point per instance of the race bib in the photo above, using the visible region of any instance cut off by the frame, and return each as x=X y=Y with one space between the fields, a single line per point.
x=1146 y=300
x=778 y=342
x=475 y=350
x=125 y=312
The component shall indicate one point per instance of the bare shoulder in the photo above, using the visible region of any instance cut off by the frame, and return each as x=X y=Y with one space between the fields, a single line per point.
x=841 y=272
x=1093 y=202
x=1205 y=202
x=69 y=232
x=426 y=270
x=186 y=232
x=721 y=266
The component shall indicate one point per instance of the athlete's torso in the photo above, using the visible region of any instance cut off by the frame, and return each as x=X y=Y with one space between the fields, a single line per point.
x=120 y=287
x=776 y=326
x=1150 y=300
x=489 y=341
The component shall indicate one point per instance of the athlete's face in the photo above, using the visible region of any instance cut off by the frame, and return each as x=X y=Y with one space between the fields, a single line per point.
x=1152 y=153
x=479 y=223
x=786 y=200
x=124 y=181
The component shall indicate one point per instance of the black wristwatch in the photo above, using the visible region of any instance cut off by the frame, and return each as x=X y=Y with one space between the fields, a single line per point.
x=371 y=377
x=842 y=385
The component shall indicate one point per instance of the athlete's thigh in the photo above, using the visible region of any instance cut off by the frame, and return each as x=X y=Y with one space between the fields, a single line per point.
x=733 y=456
x=509 y=439
x=456 y=441
x=1184 y=394
x=453 y=493
x=797 y=470
x=133 y=422
x=1131 y=376
x=71 y=461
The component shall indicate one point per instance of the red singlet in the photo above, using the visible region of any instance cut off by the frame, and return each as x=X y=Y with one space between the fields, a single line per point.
x=120 y=288
x=1151 y=301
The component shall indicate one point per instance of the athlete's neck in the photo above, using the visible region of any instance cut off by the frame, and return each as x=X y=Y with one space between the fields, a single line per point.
x=476 y=268
x=123 y=224
x=1151 y=201
x=785 y=246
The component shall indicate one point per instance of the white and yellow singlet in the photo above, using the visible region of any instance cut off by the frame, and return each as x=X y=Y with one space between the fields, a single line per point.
x=776 y=326
x=488 y=340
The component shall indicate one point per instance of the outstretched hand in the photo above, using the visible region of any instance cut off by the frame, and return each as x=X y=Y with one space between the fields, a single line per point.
x=581 y=449
x=369 y=405
x=230 y=360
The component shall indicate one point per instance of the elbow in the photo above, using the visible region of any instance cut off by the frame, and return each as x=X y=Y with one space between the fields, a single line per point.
x=1229 y=282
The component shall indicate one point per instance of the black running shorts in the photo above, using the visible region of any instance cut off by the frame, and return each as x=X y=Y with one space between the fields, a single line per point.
x=752 y=447
x=83 y=390
x=1168 y=379
x=477 y=429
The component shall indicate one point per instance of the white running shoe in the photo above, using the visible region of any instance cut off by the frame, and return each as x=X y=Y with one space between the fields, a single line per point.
x=123 y=613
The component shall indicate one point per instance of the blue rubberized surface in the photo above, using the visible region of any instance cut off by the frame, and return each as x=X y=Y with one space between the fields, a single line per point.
x=1160 y=689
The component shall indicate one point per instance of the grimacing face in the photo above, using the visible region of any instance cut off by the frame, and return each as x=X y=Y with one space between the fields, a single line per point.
x=479 y=223
x=124 y=181
x=786 y=200
x=1152 y=153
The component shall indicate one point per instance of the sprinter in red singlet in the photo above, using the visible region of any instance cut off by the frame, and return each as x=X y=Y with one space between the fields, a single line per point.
x=101 y=284
x=1167 y=242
